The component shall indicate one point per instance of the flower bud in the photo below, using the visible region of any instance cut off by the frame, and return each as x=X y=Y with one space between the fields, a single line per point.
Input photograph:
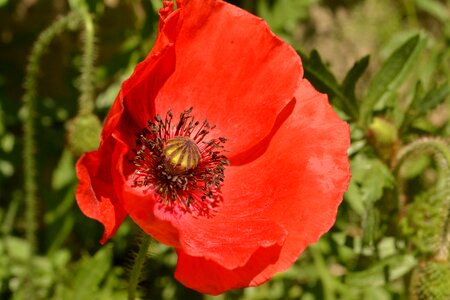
x=84 y=134
x=383 y=135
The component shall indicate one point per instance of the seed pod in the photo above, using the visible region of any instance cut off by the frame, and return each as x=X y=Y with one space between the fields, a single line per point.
x=181 y=154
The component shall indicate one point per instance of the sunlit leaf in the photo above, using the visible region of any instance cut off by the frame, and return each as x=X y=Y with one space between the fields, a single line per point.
x=322 y=78
x=350 y=80
x=391 y=75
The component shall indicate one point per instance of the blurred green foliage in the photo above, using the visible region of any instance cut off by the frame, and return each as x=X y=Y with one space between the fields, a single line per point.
x=385 y=66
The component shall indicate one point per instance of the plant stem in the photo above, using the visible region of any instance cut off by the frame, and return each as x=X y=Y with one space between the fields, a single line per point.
x=29 y=148
x=441 y=149
x=137 y=266
x=86 y=99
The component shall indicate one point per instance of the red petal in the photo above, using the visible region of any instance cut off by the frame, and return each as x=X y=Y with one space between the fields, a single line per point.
x=231 y=69
x=297 y=183
x=209 y=277
x=229 y=237
x=139 y=202
x=167 y=29
x=138 y=92
x=285 y=196
x=207 y=36
x=113 y=118
x=95 y=193
x=308 y=157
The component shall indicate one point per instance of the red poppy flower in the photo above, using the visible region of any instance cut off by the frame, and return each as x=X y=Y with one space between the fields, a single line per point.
x=218 y=147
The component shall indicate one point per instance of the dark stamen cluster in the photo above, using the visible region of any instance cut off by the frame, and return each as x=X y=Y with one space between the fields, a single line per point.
x=195 y=189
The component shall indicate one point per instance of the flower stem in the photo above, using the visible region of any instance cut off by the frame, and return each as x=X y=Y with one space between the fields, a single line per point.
x=86 y=99
x=137 y=266
x=29 y=148
x=442 y=151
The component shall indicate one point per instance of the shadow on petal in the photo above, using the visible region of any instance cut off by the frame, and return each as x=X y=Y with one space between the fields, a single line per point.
x=257 y=150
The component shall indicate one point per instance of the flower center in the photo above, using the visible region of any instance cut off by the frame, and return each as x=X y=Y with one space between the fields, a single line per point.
x=179 y=163
x=182 y=154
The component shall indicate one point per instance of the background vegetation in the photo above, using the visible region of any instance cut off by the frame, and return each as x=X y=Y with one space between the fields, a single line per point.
x=386 y=67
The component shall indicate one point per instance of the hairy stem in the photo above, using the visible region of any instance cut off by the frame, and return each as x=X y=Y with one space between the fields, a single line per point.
x=442 y=151
x=86 y=99
x=137 y=266
x=29 y=102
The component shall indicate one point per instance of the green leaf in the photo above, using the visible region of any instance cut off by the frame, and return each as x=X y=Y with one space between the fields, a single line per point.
x=284 y=15
x=423 y=104
x=414 y=167
x=390 y=77
x=156 y=4
x=320 y=72
x=324 y=81
x=383 y=271
x=432 y=99
x=434 y=8
x=90 y=274
x=405 y=120
x=370 y=177
x=58 y=218
x=7 y=222
x=355 y=73
x=64 y=173
x=371 y=226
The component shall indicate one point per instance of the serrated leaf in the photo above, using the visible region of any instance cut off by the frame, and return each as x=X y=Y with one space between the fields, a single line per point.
x=391 y=75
